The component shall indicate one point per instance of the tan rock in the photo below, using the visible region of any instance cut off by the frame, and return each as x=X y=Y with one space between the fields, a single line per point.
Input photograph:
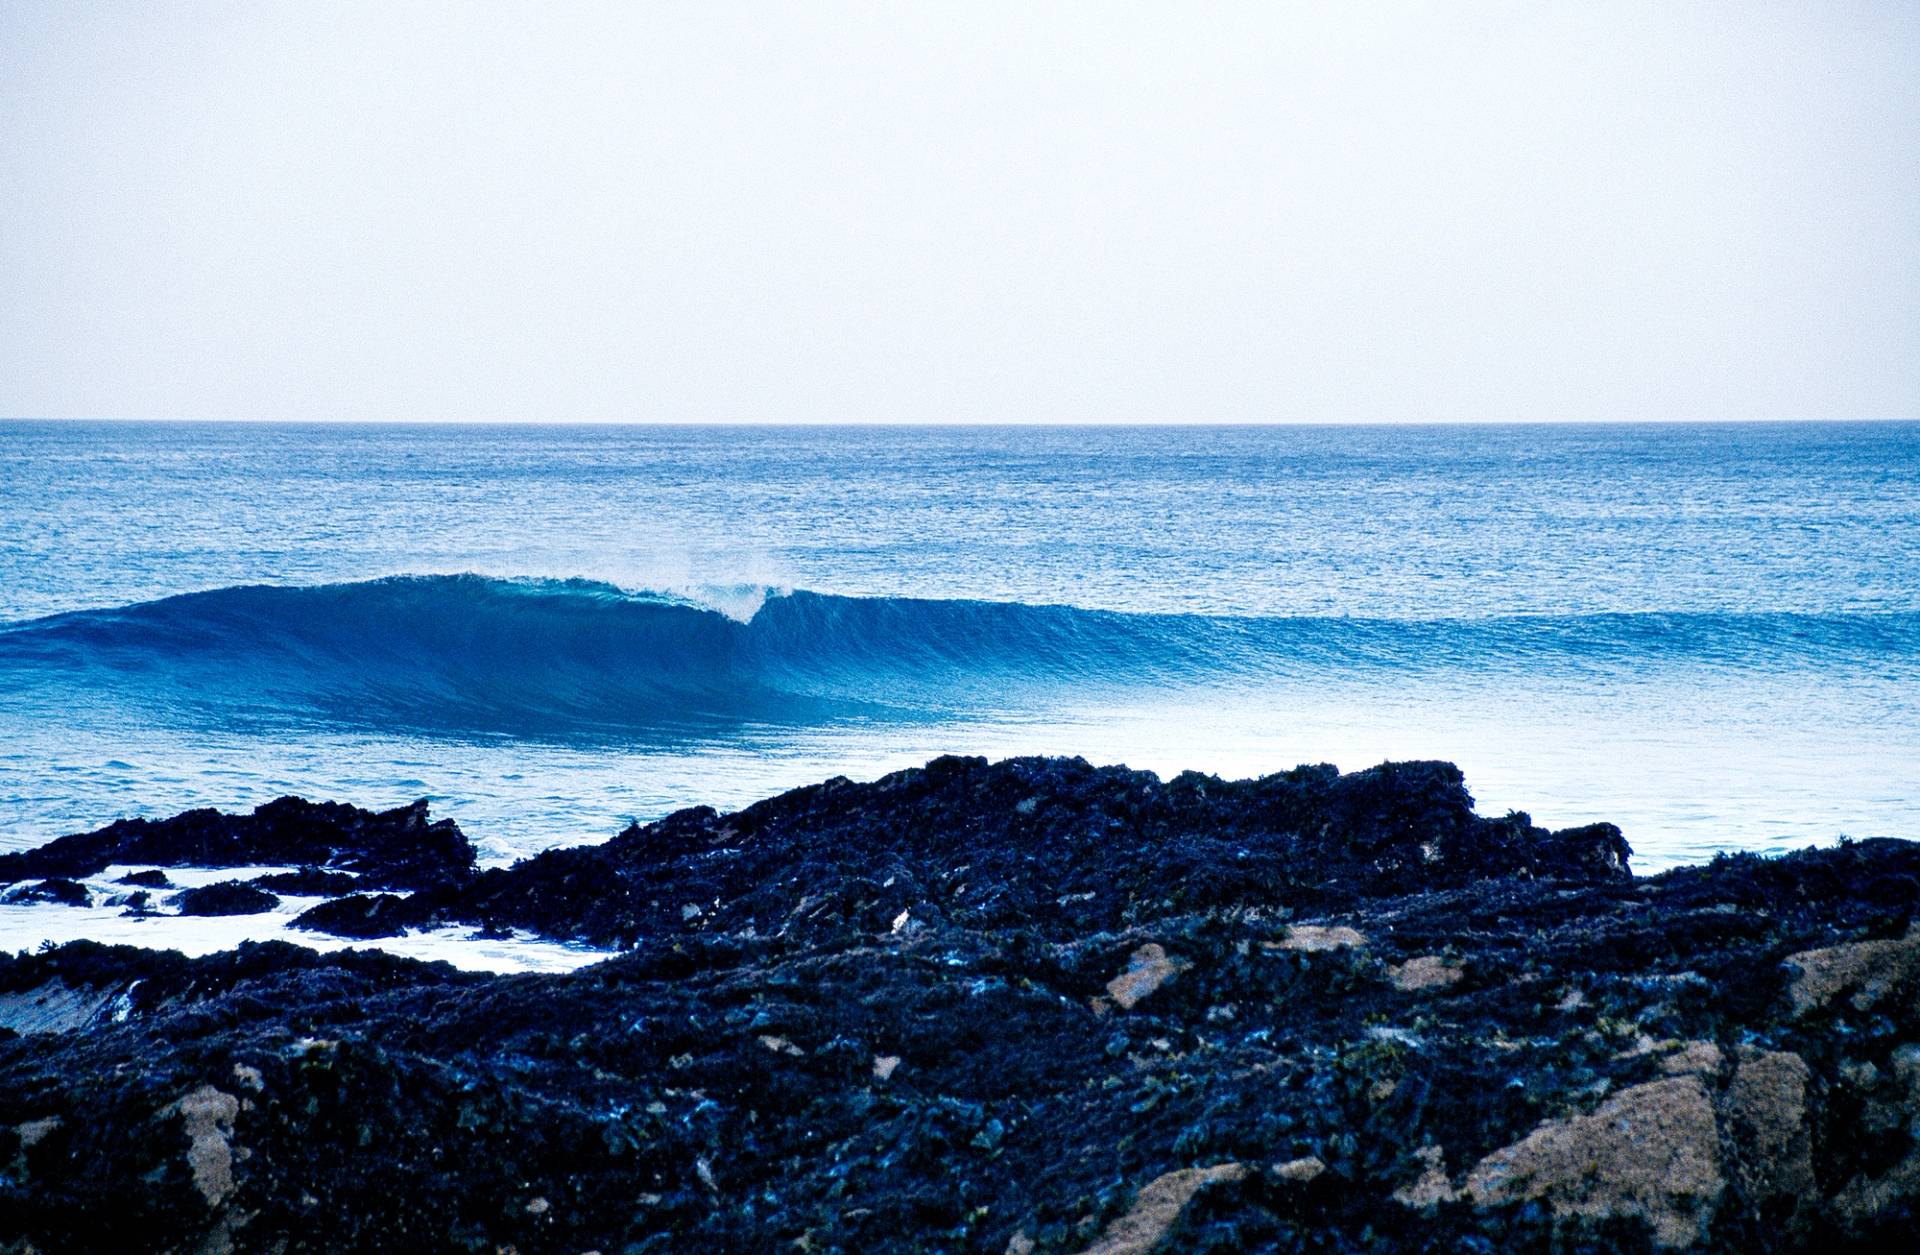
x=1314 y=937
x=1766 y=1119
x=1157 y=1207
x=1301 y=1170
x=1865 y=1198
x=1701 y=1057
x=884 y=1065
x=1869 y=968
x=1432 y=1187
x=208 y=1114
x=1427 y=971
x=1148 y=968
x=1650 y=1151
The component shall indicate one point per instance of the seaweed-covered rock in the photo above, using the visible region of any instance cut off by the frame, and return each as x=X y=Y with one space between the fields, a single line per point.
x=1528 y=1055
x=361 y=915
x=55 y=889
x=310 y=882
x=150 y=878
x=1051 y=844
x=228 y=897
x=400 y=848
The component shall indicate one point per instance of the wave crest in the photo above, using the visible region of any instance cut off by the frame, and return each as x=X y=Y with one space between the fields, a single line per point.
x=472 y=654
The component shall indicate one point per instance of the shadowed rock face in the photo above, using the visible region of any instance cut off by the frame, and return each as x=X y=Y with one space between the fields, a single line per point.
x=1535 y=1055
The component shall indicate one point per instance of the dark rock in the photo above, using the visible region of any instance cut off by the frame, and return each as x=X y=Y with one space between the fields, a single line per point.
x=357 y=915
x=398 y=849
x=309 y=882
x=152 y=878
x=1506 y=1044
x=56 y=889
x=159 y=980
x=229 y=897
x=1049 y=844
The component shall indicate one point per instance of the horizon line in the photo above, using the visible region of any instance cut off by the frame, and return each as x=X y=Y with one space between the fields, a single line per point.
x=159 y=421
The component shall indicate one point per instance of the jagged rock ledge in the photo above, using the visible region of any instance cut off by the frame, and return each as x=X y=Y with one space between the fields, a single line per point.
x=1053 y=847
x=398 y=849
x=1021 y=1007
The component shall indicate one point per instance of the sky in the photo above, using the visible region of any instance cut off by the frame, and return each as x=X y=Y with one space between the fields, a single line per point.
x=965 y=212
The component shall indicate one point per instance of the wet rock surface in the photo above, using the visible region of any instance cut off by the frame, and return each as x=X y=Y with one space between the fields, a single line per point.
x=308 y=882
x=399 y=849
x=228 y=897
x=1307 y=1013
x=57 y=890
x=359 y=915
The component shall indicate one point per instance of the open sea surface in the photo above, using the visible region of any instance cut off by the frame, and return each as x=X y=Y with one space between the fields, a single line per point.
x=1707 y=634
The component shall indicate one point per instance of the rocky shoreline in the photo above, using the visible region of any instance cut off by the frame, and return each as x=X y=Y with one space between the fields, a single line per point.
x=1030 y=1006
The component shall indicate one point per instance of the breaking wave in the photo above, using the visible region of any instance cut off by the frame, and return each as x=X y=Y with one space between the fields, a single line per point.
x=476 y=655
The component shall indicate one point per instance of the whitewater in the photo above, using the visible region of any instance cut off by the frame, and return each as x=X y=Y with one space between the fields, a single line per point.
x=1707 y=634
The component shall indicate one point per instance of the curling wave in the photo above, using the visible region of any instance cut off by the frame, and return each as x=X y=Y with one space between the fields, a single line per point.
x=468 y=654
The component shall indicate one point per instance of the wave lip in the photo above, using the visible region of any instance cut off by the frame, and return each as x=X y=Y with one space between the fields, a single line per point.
x=473 y=654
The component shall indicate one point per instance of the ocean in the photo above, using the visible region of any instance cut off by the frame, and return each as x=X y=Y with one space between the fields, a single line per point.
x=1708 y=634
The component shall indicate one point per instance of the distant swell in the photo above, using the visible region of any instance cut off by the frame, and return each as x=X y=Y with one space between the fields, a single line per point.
x=475 y=655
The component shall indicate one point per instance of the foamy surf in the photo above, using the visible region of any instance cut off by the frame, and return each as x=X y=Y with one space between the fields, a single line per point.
x=110 y=920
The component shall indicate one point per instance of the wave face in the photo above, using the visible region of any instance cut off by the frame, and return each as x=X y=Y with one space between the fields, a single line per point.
x=472 y=655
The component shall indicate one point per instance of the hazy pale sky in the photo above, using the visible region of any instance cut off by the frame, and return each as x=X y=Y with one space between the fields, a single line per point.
x=965 y=211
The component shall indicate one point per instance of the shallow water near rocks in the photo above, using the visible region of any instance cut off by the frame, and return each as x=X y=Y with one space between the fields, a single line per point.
x=28 y=926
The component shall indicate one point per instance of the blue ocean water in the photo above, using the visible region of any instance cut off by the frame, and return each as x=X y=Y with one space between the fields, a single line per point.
x=1708 y=634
